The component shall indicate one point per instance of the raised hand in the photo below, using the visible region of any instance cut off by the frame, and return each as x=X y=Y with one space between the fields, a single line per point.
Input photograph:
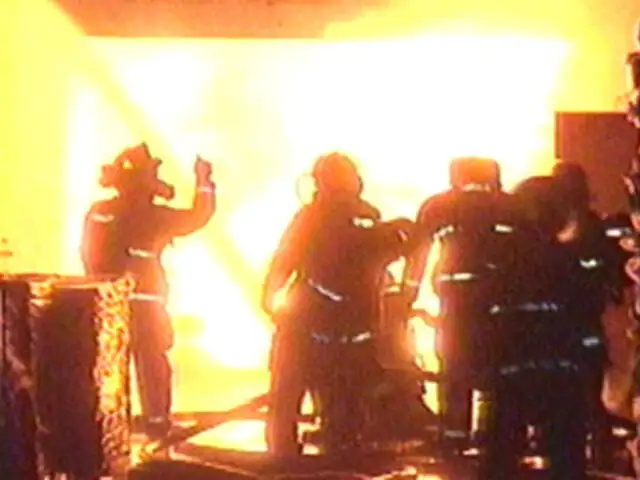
x=203 y=169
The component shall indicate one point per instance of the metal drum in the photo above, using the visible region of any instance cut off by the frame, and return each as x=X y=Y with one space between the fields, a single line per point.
x=72 y=335
x=19 y=455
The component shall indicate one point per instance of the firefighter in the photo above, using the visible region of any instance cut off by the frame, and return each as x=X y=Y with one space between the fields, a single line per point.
x=597 y=261
x=127 y=234
x=537 y=379
x=331 y=257
x=476 y=224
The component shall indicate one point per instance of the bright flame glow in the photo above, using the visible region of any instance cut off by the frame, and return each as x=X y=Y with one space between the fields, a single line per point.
x=243 y=104
x=204 y=291
x=467 y=95
x=403 y=119
x=236 y=435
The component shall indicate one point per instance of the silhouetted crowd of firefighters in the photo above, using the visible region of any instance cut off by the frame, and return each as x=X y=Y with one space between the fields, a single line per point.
x=523 y=280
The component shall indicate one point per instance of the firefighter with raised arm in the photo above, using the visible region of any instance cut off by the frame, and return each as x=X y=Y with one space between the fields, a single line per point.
x=127 y=234
x=475 y=223
x=330 y=259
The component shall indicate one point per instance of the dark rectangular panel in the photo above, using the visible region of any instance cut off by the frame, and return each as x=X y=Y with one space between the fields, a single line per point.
x=603 y=143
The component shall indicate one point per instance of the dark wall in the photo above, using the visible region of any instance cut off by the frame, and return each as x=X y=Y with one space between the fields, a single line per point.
x=603 y=143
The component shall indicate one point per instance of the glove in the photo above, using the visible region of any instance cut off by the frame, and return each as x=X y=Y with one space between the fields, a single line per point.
x=403 y=225
x=203 y=170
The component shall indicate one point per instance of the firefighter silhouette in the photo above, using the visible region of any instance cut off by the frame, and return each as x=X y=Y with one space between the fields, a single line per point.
x=598 y=278
x=537 y=379
x=332 y=256
x=127 y=234
x=476 y=224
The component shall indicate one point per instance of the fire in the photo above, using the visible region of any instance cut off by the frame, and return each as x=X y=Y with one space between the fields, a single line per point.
x=203 y=291
x=402 y=107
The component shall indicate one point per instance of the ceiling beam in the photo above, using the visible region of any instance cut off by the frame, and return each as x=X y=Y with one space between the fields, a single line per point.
x=277 y=19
